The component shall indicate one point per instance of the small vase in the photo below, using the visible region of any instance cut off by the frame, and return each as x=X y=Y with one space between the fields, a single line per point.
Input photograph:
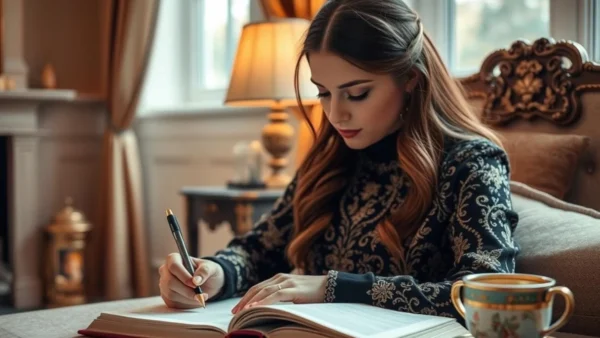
x=48 y=77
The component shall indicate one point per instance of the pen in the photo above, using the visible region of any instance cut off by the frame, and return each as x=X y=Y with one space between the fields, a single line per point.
x=185 y=257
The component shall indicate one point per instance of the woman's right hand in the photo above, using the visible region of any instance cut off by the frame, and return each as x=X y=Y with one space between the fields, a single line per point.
x=177 y=285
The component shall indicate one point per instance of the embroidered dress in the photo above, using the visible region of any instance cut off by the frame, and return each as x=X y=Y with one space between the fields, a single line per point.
x=468 y=229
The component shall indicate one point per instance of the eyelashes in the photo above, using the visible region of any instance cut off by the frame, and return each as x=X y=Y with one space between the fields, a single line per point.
x=359 y=97
x=348 y=96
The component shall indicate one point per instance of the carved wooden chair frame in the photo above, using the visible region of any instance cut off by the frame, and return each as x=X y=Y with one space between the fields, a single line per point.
x=539 y=80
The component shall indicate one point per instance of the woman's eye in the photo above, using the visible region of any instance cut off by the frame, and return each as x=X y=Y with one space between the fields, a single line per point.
x=358 y=97
x=322 y=94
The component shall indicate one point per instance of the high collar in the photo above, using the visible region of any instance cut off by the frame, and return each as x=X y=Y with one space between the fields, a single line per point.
x=384 y=150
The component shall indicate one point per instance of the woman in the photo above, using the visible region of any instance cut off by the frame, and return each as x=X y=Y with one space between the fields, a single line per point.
x=403 y=192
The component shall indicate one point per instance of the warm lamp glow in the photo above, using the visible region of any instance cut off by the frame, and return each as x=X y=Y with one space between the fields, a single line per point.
x=263 y=70
x=263 y=75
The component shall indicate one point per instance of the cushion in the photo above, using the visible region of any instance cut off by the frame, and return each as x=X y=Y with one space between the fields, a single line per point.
x=561 y=240
x=546 y=162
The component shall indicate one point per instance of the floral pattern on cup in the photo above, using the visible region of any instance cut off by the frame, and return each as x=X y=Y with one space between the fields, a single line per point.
x=509 y=305
x=505 y=324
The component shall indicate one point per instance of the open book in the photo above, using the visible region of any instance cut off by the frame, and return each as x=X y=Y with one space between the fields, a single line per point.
x=277 y=320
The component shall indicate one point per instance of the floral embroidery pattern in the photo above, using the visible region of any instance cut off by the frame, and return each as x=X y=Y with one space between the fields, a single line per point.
x=381 y=292
x=330 y=286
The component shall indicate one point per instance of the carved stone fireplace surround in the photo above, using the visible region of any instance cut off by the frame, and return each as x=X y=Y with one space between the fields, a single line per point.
x=20 y=115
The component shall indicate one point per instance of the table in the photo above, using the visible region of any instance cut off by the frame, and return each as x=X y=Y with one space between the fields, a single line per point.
x=65 y=322
x=215 y=205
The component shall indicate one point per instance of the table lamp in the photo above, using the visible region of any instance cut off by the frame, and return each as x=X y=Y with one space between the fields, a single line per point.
x=263 y=75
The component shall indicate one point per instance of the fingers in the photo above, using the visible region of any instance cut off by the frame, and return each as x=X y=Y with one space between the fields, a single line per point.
x=175 y=266
x=270 y=292
x=282 y=295
x=168 y=283
x=256 y=289
x=204 y=270
x=251 y=292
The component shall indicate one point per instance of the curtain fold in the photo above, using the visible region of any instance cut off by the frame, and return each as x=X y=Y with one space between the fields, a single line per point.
x=305 y=9
x=122 y=244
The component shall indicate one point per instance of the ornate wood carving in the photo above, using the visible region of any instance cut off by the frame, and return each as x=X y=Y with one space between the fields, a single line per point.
x=538 y=80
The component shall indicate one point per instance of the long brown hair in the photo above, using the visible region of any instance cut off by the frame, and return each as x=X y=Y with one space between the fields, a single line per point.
x=384 y=37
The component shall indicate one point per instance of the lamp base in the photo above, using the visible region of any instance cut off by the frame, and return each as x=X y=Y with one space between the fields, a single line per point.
x=278 y=180
x=277 y=138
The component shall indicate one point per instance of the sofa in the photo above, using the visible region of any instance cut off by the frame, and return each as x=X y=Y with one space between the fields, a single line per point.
x=543 y=100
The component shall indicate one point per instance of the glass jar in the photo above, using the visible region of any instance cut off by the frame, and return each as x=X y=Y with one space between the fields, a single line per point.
x=248 y=163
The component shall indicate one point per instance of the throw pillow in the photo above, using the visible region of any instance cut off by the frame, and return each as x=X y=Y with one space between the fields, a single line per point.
x=544 y=161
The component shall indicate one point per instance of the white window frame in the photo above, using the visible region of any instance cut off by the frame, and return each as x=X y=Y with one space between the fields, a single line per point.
x=576 y=20
x=595 y=39
x=197 y=95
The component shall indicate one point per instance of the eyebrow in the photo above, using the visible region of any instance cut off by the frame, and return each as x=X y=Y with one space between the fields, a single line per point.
x=345 y=85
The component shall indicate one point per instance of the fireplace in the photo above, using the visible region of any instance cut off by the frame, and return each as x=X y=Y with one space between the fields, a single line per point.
x=21 y=219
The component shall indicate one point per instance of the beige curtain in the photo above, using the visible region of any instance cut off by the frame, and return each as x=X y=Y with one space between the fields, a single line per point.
x=305 y=9
x=122 y=253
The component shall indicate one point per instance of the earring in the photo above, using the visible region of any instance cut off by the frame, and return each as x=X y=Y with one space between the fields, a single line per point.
x=407 y=99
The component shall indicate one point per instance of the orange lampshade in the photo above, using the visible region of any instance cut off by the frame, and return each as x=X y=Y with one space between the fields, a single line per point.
x=263 y=70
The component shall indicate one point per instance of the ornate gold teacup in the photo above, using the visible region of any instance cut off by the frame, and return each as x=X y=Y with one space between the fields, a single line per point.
x=510 y=304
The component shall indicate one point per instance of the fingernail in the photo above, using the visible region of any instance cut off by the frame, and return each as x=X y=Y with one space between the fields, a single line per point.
x=197 y=280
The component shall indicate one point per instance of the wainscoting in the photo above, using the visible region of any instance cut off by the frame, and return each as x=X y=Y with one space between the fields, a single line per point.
x=182 y=149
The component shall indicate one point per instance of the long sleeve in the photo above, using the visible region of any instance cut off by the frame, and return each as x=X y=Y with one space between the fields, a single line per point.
x=260 y=253
x=475 y=197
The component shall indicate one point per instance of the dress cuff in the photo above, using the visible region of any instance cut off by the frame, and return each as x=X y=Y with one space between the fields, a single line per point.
x=344 y=287
x=330 y=286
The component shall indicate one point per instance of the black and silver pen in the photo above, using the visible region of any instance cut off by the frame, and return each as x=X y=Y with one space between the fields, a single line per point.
x=185 y=257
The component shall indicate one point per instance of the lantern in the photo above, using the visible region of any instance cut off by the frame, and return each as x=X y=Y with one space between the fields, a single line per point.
x=66 y=239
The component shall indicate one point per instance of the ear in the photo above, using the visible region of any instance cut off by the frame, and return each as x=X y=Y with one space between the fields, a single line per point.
x=413 y=77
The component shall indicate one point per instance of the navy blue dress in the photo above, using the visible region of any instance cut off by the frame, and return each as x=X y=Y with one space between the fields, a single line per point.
x=468 y=229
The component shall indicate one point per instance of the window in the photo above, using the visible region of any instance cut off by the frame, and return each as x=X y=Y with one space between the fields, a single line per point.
x=216 y=26
x=466 y=31
x=481 y=26
x=596 y=30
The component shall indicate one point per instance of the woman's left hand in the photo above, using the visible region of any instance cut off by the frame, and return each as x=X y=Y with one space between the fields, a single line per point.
x=286 y=288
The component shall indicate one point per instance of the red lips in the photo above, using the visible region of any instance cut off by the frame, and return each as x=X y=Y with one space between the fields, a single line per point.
x=349 y=133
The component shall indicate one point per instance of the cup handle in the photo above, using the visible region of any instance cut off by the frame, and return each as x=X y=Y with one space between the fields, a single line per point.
x=569 y=307
x=456 y=298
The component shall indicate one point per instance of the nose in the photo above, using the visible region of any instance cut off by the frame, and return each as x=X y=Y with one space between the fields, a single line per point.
x=337 y=111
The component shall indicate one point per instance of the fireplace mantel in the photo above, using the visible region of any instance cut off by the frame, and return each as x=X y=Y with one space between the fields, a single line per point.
x=38 y=95
x=28 y=116
x=19 y=108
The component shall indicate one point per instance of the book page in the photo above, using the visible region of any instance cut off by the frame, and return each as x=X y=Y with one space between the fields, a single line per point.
x=361 y=320
x=217 y=314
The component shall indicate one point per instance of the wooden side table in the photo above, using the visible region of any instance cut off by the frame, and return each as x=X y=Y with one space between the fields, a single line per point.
x=214 y=205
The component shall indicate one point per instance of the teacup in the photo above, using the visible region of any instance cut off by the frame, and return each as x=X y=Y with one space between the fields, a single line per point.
x=510 y=304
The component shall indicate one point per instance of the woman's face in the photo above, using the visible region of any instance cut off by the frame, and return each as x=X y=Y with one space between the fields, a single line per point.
x=363 y=107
